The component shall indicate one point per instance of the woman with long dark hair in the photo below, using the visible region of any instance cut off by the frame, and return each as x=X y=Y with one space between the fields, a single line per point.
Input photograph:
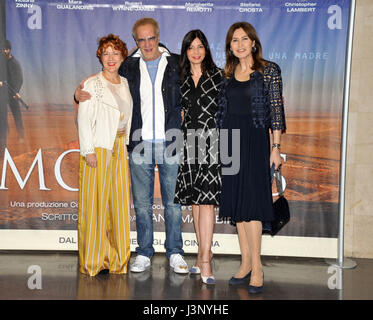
x=251 y=101
x=199 y=178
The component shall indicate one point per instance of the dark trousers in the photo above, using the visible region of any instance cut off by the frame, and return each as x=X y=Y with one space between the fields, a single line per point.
x=3 y=120
x=17 y=116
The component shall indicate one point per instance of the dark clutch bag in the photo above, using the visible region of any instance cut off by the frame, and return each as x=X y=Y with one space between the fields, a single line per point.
x=280 y=208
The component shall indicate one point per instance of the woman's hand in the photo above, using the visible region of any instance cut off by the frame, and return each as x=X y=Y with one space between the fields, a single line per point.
x=91 y=160
x=275 y=158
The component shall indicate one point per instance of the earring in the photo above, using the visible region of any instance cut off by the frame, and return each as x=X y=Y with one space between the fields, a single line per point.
x=253 y=49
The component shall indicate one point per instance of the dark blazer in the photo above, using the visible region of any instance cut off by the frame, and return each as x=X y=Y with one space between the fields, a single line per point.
x=130 y=69
x=15 y=77
x=3 y=104
x=266 y=99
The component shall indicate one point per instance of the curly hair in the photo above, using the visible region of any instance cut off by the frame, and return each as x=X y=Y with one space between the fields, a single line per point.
x=113 y=41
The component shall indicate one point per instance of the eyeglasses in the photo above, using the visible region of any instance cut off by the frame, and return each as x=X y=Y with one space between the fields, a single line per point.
x=142 y=41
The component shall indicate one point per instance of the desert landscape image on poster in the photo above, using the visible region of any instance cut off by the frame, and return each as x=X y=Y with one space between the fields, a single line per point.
x=311 y=147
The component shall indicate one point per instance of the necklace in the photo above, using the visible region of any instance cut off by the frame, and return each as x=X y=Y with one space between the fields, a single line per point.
x=196 y=75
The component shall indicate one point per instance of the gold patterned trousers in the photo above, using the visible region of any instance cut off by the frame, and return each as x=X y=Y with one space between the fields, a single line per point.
x=104 y=211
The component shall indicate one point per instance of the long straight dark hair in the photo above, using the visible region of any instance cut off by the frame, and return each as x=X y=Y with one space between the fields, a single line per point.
x=208 y=63
x=231 y=60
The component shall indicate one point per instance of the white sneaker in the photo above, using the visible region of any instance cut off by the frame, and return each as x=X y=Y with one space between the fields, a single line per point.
x=178 y=263
x=141 y=264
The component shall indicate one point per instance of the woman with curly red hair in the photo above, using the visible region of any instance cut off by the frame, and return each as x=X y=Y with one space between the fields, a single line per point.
x=104 y=195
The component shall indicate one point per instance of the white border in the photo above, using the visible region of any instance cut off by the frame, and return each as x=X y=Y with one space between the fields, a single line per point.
x=66 y=240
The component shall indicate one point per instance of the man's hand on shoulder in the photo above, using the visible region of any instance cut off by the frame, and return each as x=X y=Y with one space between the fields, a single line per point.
x=80 y=94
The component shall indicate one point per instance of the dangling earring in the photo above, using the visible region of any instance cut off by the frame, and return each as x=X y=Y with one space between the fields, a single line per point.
x=253 y=49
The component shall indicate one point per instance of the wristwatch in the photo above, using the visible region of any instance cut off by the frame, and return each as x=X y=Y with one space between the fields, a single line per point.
x=276 y=145
x=76 y=101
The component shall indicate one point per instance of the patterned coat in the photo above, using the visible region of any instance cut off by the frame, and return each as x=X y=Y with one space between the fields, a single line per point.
x=199 y=177
x=266 y=99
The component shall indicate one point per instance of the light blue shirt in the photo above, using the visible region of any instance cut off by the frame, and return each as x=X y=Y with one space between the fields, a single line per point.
x=152 y=69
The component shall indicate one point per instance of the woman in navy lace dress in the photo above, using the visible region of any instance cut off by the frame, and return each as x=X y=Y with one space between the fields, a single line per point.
x=251 y=101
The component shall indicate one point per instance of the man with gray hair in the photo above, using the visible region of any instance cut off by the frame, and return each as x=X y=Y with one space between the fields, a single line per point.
x=154 y=79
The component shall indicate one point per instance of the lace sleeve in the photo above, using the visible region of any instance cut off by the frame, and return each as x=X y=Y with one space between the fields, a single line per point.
x=272 y=76
x=222 y=104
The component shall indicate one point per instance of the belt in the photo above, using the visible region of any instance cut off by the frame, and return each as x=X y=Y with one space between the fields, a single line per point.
x=121 y=132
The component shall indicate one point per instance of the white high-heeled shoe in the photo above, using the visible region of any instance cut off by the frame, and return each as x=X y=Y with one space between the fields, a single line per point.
x=195 y=270
x=207 y=279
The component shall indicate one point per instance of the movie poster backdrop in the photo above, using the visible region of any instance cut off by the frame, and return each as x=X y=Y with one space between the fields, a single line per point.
x=55 y=43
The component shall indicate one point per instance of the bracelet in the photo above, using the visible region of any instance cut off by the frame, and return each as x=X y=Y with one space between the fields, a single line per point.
x=276 y=145
x=76 y=101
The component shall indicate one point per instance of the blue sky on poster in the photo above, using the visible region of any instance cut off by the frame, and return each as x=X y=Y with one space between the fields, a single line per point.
x=56 y=41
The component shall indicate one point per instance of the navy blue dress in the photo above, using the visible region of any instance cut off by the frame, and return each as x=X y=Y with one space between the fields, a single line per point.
x=247 y=195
